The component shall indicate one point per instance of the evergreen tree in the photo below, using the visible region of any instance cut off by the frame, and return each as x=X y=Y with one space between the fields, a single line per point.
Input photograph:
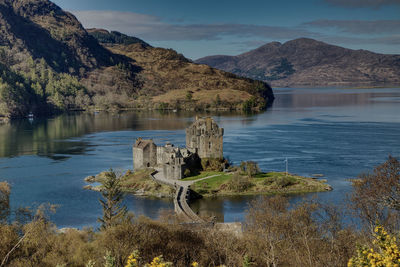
x=113 y=210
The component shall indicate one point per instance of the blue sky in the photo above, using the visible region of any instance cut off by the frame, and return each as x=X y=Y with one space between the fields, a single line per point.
x=202 y=28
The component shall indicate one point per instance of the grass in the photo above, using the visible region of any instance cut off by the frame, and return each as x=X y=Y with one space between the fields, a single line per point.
x=262 y=183
x=222 y=184
x=204 y=96
x=140 y=183
x=201 y=175
x=213 y=182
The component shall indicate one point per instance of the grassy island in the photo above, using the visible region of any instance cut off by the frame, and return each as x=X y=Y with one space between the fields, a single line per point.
x=237 y=183
x=213 y=183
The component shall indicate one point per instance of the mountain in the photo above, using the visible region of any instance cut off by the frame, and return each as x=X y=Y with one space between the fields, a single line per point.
x=176 y=82
x=50 y=63
x=307 y=62
x=47 y=59
x=105 y=37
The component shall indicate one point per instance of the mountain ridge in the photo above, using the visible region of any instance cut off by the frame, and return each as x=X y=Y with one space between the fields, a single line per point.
x=50 y=63
x=308 y=62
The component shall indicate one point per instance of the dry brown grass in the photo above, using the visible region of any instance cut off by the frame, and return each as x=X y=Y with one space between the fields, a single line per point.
x=204 y=96
x=168 y=76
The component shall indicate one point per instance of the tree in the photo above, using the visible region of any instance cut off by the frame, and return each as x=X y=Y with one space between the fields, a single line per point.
x=113 y=210
x=376 y=196
x=218 y=100
x=189 y=95
x=4 y=201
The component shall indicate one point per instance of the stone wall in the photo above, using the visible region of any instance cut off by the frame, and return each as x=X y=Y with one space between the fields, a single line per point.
x=144 y=154
x=137 y=158
x=173 y=172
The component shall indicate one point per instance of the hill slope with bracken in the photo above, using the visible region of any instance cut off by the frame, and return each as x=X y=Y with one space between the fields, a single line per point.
x=307 y=62
x=177 y=82
x=49 y=63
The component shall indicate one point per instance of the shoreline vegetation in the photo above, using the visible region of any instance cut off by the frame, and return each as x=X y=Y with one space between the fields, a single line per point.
x=139 y=183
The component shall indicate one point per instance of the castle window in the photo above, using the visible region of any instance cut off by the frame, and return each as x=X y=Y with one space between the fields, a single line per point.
x=209 y=145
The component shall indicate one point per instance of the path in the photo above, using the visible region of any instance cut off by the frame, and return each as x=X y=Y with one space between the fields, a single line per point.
x=181 y=195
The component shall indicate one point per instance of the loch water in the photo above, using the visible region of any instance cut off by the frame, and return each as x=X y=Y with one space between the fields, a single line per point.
x=339 y=133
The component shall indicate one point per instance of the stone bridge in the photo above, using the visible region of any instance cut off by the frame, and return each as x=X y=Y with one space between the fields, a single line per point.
x=182 y=208
x=182 y=195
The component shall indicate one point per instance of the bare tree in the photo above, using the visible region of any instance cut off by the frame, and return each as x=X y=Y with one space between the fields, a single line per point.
x=4 y=201
x=376 y=195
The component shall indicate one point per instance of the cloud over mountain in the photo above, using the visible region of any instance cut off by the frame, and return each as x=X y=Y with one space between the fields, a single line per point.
x=154 y=29
x=359 y=26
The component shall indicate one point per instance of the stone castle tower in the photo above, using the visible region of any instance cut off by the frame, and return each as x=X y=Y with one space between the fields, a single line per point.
x=205 y=138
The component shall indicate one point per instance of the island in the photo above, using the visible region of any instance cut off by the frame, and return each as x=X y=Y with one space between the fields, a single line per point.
x=202 y=170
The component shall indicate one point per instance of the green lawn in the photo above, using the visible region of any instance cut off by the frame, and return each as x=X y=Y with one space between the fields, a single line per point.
x=262 y=183
x=201 y=175
x=213 y=182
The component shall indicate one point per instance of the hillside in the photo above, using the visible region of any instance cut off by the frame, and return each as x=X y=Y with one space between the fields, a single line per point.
x=176 y=82
x=307 y=62
x=50 y=63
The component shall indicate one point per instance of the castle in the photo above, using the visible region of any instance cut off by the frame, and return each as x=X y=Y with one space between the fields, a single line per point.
x=204 y=140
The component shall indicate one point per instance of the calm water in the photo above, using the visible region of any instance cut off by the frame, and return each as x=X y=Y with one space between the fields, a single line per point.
x=335 y=132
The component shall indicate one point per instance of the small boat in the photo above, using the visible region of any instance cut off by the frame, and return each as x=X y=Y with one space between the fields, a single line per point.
x=30 y=115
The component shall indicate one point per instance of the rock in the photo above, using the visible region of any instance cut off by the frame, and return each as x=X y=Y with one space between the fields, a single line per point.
x=90 y=179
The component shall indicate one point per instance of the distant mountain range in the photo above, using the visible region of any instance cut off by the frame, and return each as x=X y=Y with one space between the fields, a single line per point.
x=50 y=63
x=307 y=62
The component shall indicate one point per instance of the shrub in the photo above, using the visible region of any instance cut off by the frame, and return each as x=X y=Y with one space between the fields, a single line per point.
x=210 y=164
x=239 y=183
x=285 y=181
x=386 y=252
x=187 y=173
x=250 y=168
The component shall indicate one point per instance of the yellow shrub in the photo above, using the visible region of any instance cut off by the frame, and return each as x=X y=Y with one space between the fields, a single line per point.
x=387 y=254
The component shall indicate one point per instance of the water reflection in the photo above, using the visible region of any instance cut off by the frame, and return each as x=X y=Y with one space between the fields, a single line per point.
x=306 y=98
x=48 y=137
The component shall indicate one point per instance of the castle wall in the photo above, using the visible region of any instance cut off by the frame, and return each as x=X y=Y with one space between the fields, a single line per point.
x=137 y=158
x=151 y=156
x=144 y=154
x=160 y=155
x=173 y=171
x=206 y=138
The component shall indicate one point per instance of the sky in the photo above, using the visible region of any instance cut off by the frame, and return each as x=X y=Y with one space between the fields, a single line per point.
x=221 y=27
